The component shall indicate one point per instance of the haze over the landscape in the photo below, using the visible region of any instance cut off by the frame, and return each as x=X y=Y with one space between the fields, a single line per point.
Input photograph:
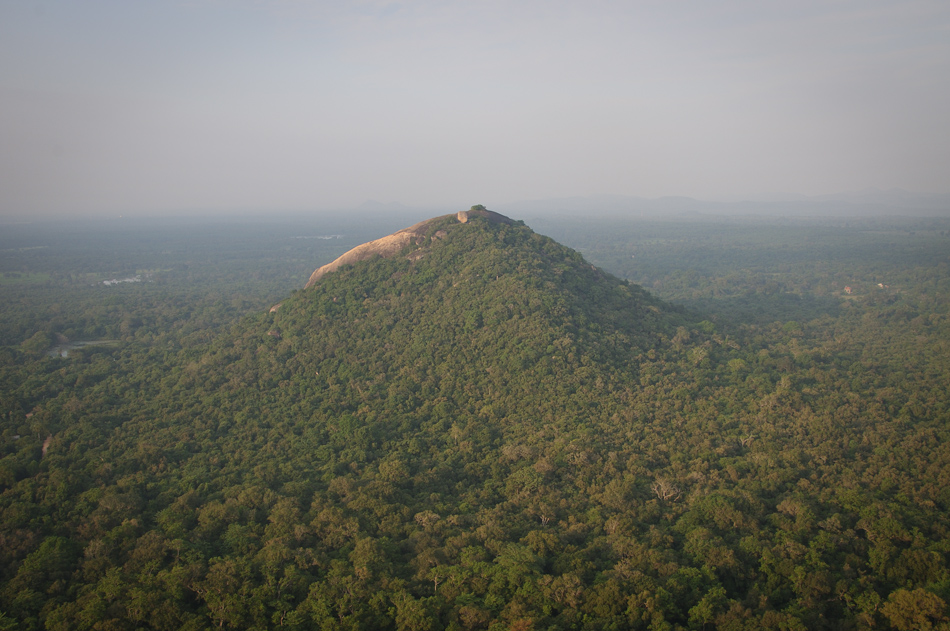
x=115 y=107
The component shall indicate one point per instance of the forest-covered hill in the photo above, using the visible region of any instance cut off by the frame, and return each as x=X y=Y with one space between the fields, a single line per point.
x=485 y=432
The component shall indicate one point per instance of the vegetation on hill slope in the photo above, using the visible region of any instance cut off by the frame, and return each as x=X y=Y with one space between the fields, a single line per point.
x=487 y=432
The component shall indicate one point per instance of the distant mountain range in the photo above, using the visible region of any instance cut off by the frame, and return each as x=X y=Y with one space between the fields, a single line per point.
x=869 y=202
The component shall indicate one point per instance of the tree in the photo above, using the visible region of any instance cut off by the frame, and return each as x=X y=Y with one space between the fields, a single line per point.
x=917 y=610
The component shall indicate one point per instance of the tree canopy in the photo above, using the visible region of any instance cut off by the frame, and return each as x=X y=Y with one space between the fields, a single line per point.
x=485 y=432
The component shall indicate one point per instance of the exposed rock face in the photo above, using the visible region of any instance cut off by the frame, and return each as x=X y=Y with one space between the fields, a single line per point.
x=490 y=215
x=393 y=244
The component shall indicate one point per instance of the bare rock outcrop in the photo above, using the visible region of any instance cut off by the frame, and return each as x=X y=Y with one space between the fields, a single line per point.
x=393 y=244
x=481 y=211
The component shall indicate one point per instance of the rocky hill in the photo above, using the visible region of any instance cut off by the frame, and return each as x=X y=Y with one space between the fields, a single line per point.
x=416 y=234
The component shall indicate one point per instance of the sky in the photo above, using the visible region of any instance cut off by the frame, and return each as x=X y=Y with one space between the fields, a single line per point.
x=148 y=107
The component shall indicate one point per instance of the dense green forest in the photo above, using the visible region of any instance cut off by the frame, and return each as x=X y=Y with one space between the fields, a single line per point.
x=740 y=424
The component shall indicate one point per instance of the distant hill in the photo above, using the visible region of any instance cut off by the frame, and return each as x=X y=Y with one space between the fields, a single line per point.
x=867 y=203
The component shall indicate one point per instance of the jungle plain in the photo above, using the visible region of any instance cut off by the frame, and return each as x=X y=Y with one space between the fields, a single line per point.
x=680 y=423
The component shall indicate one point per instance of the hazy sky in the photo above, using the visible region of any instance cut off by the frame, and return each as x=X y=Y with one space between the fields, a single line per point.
x=148 y=106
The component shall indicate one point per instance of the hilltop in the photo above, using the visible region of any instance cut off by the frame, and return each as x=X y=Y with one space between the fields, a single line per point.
x=413 y=235
x=472 y=294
